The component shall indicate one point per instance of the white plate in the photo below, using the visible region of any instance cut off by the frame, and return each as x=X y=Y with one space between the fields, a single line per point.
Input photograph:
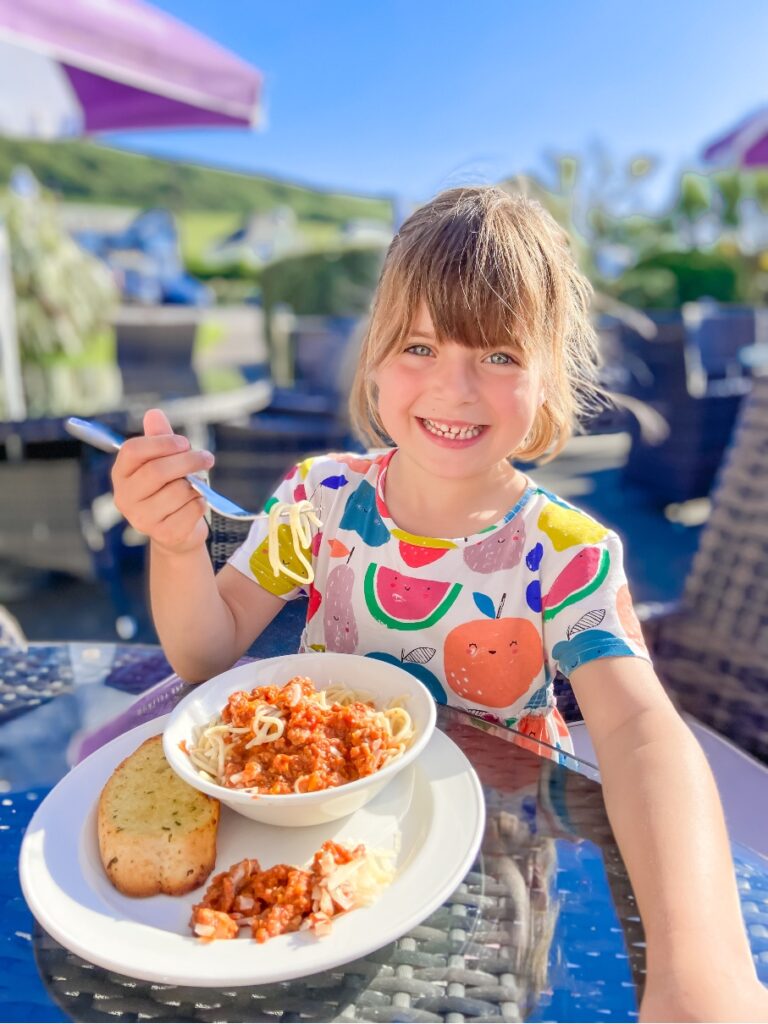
x=434 y=810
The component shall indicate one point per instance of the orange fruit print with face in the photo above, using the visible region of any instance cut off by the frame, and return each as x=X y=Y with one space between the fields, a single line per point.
x=492 y=661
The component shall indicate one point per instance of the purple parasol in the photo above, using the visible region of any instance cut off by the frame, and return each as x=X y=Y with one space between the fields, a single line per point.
x=746 y=145
x=86 y=66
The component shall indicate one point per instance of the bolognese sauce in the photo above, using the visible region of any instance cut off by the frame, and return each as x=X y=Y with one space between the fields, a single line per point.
x=296 y=739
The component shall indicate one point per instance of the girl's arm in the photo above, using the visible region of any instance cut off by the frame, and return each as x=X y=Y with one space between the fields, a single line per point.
x=205 y=622
x=663 y=805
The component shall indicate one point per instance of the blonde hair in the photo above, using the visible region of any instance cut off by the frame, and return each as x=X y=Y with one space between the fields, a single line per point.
x=493 y=269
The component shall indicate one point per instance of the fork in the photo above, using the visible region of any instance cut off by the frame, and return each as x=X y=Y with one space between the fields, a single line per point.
x=107 y=440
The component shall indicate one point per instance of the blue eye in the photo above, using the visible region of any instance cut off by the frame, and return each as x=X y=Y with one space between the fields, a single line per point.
x=423 y=350
x=501 y=359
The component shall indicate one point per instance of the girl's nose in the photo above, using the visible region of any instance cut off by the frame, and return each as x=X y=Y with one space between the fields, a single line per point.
x=456 y=375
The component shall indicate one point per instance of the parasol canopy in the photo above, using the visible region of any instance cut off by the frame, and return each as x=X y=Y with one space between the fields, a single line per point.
x=87 y=66
x=745 y=145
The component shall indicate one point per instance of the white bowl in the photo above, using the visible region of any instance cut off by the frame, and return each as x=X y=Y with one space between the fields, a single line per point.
x=382 y=680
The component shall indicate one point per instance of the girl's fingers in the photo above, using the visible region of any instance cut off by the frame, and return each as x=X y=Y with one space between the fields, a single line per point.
x=153 y=511
x=138 y=451
x=156 y=423
x=183 y=529
x=156 y=473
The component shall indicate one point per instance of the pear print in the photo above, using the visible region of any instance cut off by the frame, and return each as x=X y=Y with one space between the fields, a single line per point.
x=566 y=527
x=263 y=571
x=502 y=549
x=362 y=516
x=339 y=620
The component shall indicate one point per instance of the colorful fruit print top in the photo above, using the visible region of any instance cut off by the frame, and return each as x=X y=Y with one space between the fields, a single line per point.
x=483 y=621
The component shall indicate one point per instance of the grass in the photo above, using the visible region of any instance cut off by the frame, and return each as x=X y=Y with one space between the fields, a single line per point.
x=199 y=229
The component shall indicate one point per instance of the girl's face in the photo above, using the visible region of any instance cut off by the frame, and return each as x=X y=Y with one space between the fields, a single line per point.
x=455 y=410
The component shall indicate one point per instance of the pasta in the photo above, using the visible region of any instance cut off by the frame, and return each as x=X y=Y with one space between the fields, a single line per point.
x=301 y=518
x=295 y=739
x=285 y=898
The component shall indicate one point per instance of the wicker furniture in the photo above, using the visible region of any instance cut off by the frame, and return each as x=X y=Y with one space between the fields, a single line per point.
x=712 y=650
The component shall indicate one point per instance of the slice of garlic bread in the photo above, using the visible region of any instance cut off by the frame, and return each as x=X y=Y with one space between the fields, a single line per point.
x=157 y=834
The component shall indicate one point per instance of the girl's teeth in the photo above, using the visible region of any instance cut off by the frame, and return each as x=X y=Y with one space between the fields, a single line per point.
x=442 y=430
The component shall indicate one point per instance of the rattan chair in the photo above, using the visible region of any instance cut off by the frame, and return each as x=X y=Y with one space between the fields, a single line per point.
x=711 y=651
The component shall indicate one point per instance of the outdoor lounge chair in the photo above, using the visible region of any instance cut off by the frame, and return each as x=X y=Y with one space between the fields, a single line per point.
x=711 y=651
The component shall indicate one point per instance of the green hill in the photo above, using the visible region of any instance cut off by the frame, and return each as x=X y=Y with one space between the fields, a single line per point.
x=84 y=171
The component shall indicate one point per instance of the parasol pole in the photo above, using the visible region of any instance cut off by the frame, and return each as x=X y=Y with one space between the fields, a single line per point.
x=10 y=365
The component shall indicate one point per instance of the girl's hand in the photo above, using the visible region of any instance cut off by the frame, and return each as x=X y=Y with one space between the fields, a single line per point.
x=709 y=996
x=150 y=489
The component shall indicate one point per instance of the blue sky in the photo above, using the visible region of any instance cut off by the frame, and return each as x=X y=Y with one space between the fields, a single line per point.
x=407 y=98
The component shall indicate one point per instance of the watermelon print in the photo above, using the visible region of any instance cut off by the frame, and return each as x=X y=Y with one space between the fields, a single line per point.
x=580 y=578
x=482 y=621
x=406 y=602
x=415 y=555
x=416 y=551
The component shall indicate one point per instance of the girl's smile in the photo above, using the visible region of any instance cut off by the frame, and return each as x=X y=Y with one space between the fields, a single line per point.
x=456 y=414
x=438 y=399
x=452 y=434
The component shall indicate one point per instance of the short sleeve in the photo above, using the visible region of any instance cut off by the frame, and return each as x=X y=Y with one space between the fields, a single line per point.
x=252 y=557
x=586 y=606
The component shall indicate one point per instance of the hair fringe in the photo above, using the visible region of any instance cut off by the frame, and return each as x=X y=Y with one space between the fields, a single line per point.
x=493 y=268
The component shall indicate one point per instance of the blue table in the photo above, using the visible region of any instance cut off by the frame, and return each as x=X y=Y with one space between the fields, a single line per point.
x=544 y=926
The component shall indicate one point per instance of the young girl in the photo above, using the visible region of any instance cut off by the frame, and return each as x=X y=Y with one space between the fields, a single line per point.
x=439 y=555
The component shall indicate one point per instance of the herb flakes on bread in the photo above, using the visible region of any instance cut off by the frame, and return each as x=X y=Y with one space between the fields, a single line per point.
x=157 y=834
